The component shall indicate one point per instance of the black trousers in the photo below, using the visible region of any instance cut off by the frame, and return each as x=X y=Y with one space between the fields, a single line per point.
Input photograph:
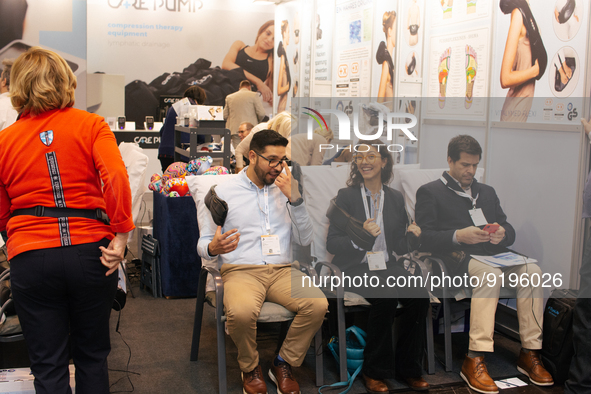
x=60 y=295
x=579 y=378
x=381 y=360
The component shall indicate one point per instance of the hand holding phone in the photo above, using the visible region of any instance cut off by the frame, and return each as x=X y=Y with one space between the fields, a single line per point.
x=491 y=228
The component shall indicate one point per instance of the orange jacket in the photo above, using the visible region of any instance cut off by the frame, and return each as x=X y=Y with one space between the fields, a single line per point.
x=82 y=153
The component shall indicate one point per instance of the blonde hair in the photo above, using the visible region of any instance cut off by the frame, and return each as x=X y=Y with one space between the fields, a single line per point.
x=325 y=132
x=281 y=123
x=41 y=80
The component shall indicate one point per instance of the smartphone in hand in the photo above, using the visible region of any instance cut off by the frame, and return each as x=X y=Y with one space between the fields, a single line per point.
x=491 y=228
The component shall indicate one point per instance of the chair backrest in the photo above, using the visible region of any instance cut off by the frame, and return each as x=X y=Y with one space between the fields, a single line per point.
x=321 y=184
x=412 y=179
x=136 y=163
x=199 y=185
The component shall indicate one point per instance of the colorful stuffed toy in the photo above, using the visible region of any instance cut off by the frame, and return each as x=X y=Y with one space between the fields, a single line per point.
x=175 y=170
x=200 y=165
x=155 y=183
x=178 y=185
x=217 y=170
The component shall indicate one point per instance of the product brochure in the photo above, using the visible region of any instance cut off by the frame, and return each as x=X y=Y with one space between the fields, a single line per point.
x=507 y=259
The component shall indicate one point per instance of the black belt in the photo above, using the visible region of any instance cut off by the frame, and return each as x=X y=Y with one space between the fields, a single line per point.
x=52 y=212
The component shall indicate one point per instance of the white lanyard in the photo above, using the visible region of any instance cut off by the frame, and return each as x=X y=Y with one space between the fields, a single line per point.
x=462 y=193
x=379 y=217
x=266 y=211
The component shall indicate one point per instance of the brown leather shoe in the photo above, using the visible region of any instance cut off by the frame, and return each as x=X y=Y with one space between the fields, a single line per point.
x=417 y=384
x=374 y=386
x=253 y=382
x=476 y=375
x=281 y=375
x=530 y=364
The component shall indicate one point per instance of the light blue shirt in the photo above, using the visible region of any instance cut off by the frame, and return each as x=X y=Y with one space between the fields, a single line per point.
x=246 y=213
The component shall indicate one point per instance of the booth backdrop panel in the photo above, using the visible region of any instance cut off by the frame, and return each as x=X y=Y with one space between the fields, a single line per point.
x=175 y=227
x=434 y=139
x=534 y=174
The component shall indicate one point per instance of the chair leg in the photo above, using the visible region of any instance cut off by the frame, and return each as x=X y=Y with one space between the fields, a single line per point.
x=198 y=315
x=430 y=343
x=342 y=340
x=447 y=334
x=221 y=334
x=158 y=278
x=142 y=275
x=221 y=355
x=319 y=358
x=155 y=289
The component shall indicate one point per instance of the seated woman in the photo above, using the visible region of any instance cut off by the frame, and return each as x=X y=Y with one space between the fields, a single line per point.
x=381 y=209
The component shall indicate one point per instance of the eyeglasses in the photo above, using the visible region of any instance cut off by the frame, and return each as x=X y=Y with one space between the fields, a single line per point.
x=273 y=162
x=371 y=158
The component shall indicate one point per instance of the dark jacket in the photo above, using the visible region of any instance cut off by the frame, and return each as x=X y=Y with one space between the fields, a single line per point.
x=440 y=211
x=395 y=221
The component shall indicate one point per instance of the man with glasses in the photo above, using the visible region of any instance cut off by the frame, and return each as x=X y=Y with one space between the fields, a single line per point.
x=265 y=212
x=244 y=130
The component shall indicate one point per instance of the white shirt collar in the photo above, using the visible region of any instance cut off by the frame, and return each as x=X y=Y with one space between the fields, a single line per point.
x=466 y=189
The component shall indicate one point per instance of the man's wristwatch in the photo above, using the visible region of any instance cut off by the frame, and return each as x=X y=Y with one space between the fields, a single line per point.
x=297 y=202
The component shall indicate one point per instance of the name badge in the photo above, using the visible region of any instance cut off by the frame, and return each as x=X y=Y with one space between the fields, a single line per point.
x=376 y=261
x=270 y=244
x=478 y=217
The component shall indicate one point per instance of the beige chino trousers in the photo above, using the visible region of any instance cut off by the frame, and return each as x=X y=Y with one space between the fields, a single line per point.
x=530 y=305
x=246 y=287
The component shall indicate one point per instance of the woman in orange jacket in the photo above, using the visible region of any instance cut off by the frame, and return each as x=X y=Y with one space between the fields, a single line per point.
x=65 y=202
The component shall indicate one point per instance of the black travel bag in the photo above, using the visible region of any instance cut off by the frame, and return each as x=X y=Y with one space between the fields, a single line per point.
x=557 y=348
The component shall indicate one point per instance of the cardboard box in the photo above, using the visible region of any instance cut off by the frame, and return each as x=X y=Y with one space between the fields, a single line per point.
x=20 y=380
